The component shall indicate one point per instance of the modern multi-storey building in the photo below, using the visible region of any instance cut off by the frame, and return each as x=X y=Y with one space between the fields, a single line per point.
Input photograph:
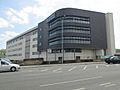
x=24 y=46
x=67 y=34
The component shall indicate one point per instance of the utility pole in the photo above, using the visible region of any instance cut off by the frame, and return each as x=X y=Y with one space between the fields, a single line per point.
x=62 y=37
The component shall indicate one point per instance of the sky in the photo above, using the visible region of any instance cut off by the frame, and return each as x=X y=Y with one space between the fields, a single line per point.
x=17 y=16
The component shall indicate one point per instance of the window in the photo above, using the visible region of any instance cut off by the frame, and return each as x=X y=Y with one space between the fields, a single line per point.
x=34 y=39
x=70 y=18
x=77 y=41
x=78 y=38
x=19 y=54
x=20 y=43
x=69 y=50
x=35 y=32
x=55 y=42
x=40 y=43
x=4 y=63
x=34 y=53
x=70 y=29
x=40 y=29
x=28 y=40
x=21 y=37
x=77 y=57
x=56 y=50
x=35 y=45
x=71 y=40
x=40 y=36
x=78 y=50
x=55 y=39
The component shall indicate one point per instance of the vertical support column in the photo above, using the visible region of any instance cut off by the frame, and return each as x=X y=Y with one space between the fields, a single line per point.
x=110 y=34
x=74 y=54
x=55 y=55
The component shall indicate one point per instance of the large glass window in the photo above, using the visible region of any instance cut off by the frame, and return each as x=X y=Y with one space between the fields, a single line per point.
x=55 y=42
x=70 y=29
x=70 y=39
x=19 y=54
x=77 y=41
x=75 y=19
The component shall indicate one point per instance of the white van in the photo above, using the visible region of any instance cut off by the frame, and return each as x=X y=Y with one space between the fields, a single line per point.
x=6 y=65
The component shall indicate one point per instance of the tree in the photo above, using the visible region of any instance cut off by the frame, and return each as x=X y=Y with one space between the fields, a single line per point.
x=2 y=53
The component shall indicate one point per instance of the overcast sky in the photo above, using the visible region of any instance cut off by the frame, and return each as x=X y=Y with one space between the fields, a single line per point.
x=17 y=16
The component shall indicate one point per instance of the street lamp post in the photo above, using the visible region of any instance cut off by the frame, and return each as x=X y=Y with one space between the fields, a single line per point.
x=62 y=37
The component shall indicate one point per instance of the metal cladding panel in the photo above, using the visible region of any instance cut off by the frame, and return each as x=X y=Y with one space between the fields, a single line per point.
x=97 y=26
x=42 y=36
x=98 y=31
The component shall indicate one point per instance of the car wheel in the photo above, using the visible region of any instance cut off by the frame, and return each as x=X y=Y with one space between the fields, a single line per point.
x=114 y=62
x=13 y=69
x=118 y=62
x=108 y=62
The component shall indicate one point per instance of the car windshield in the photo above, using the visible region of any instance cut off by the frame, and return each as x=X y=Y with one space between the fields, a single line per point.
x=115 y=58
x=7 y=60
x=112 y=57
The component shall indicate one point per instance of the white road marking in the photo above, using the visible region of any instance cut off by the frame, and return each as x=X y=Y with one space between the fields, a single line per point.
x=107 y=65
x=103 y=84
x=110 y=85
x=30 y=70
x=96 y=66
x=72 y=68
x=26 y=71
x=80 y=89
x=44 y=70
x=57 y=70
x=84 y=67
x=66 y=64
x=65 y=82
x=116 y=64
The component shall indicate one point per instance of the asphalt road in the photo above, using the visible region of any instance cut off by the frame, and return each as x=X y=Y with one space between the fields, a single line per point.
x=63 y=77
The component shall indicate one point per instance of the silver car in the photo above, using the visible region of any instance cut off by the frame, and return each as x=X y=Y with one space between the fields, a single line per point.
x=6 y=65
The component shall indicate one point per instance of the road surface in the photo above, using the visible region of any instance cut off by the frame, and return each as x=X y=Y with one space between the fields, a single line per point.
x=63 y=77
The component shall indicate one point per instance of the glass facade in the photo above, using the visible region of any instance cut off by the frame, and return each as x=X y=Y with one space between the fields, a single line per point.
x=77 y=32
x=69 y=18
x=66 y=50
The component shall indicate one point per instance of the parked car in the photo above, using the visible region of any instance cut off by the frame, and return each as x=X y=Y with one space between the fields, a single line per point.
x=7 y=65
x=112 y=60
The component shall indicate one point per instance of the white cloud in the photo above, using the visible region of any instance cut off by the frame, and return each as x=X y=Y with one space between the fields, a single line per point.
x=6 y=36
x=19 y=17
x=23 y=16
x=4 y=23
